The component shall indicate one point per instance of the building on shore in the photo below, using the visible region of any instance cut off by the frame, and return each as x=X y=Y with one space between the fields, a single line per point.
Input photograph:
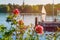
x=58 y=12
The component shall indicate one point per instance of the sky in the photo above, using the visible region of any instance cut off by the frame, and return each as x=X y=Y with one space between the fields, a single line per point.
x=29 y=2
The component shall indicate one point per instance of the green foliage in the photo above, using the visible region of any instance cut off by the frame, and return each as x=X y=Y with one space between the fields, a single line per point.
x=2 y=28
x=54 y=36
x=9 y=18
x=6 y=34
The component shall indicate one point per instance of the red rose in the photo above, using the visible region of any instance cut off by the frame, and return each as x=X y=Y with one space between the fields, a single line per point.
x=16 y=11
x=39 y=29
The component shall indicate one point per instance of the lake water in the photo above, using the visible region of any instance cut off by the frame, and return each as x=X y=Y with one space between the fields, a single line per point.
x=28 y=19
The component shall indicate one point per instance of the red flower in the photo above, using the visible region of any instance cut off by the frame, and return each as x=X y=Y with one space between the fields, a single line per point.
x=16 y=11
x=39 y=29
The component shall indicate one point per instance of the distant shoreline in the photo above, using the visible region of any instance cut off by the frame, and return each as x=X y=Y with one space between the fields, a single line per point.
x=29 y=14
x=30 y=8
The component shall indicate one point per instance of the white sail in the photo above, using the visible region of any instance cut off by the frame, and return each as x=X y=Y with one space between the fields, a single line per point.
x=43 y=13
x=43 y=10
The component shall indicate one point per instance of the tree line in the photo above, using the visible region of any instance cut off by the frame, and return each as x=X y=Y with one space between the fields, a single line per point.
x=8 y=8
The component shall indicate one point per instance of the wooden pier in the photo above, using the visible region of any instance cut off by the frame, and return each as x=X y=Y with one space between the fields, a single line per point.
x=49 y=26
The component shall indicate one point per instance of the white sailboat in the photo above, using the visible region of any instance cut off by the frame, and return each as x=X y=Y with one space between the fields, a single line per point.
x=43 y=14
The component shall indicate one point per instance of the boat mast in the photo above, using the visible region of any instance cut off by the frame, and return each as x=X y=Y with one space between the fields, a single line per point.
x=23 y=8
x=53 y=10
x=23 y=3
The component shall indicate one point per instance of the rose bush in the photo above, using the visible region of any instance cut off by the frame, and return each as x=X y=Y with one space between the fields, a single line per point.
x=21 y=28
